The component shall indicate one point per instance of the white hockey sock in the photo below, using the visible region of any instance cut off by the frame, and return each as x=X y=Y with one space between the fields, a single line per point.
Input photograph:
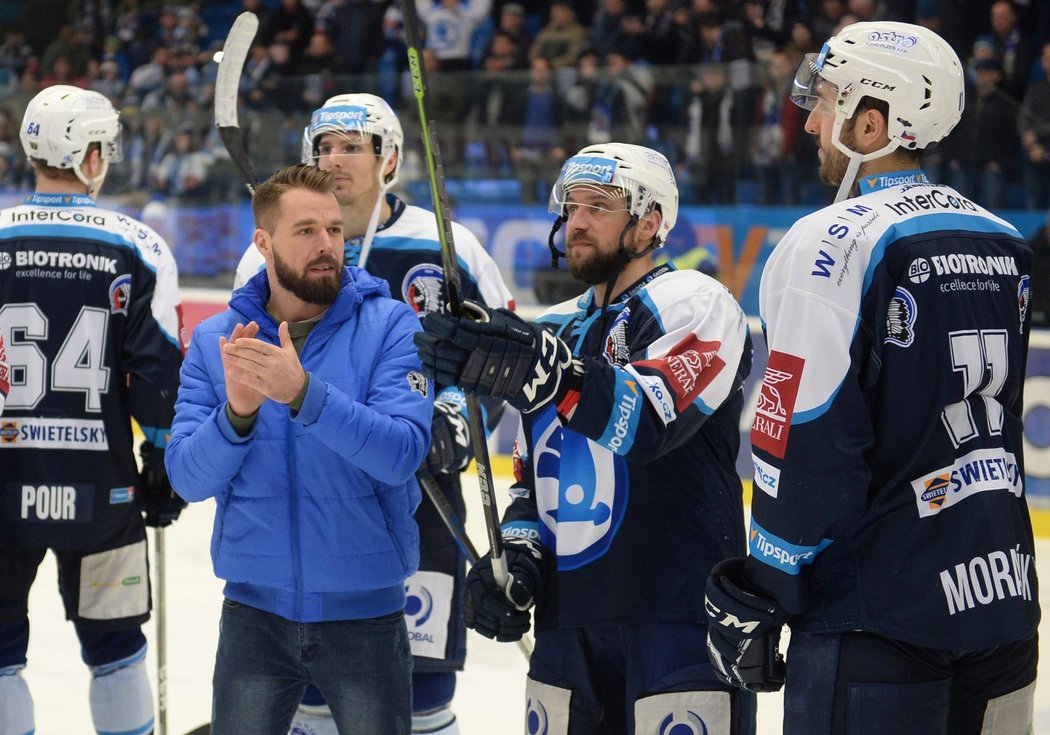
x=435 y=722
x=120 y=695
x=313 y=720
x=16 y=706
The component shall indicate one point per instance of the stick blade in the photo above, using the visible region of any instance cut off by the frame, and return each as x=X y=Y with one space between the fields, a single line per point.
x=228 y=76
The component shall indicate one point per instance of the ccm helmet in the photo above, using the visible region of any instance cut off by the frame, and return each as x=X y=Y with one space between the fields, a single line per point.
x=909 y=67
x=360 y=113
x=62 y=121
x=643 y=174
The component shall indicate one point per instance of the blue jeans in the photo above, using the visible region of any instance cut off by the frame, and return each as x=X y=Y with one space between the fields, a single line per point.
x=264 y=663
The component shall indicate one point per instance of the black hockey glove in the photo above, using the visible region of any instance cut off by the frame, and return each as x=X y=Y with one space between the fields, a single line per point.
x=501 y=356
x=449 y=440
x=743 y=632
x=498 y=613
x=161 y=504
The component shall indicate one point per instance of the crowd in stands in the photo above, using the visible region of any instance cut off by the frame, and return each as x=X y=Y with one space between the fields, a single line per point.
x=517 y=84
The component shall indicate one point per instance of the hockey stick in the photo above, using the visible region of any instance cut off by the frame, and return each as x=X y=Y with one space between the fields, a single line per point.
x=162 y=634
x=449 y=264
x=227 y=83
x=448 y=516
x=459 y=533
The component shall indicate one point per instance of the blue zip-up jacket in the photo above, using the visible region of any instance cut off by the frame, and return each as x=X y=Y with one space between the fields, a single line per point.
x=314 y=509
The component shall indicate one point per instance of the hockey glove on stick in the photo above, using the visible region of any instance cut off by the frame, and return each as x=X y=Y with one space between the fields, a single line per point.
x=743 y=632
x=449 y=440
x=501 y=356
x=160 y=503
x=157 y=499
x=498 y=613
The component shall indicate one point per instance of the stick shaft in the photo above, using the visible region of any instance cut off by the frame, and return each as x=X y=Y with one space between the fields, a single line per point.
x=450 y=262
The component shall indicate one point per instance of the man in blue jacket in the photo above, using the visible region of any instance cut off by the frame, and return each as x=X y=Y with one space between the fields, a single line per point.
x=302 y=412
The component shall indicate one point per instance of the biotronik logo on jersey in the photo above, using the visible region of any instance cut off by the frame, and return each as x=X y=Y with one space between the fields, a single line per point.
x=422 y=288
x=581 y=492
x=965 y=264
x=593 y=169
x=79 y=261
x=900 y=318
x=350 y=117
x=5 y=261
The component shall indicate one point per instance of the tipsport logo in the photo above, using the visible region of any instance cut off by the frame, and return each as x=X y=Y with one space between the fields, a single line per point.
x=342 y=117
x=588 y=168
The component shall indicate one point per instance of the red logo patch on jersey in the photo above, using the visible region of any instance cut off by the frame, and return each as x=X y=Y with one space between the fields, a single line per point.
x=516 y=463
x=776 y=402
x=5 y=376
x=689 y=367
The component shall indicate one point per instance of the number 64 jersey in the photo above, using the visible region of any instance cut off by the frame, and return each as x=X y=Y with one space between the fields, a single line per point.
x=887 y=440
x=89 y=313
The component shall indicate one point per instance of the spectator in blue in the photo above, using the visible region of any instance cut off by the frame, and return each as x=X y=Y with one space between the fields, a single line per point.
x=302 y=412
x=1014 y=48
x=778 y=140
x=450 y=24
x=539 y=153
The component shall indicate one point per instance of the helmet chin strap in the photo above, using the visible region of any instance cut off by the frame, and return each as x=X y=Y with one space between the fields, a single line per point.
x=92 y=184
x=855 y=159
x=373 y=221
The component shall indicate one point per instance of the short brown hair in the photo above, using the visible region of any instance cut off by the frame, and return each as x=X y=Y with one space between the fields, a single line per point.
x=266 y=202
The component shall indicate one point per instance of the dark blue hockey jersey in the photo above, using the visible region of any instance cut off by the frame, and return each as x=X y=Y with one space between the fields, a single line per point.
x=889 y=483
x=89 y=312
x=636 y=497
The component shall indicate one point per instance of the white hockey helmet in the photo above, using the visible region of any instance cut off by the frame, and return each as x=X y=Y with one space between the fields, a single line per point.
x=361 y=113
x=644 y=175
x=60 y=123
x=908 y=66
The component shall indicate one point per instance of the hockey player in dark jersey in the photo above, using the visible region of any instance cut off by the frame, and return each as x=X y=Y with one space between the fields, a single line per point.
x=627 y=492
x=889 y=524
x=90 y=319
x=359 y=139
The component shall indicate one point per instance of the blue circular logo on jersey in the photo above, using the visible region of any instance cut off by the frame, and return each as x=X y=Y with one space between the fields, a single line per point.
x=581 y=492
x=683 y=723
x=535 y=718
x=419 y=604
x=423 y=288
